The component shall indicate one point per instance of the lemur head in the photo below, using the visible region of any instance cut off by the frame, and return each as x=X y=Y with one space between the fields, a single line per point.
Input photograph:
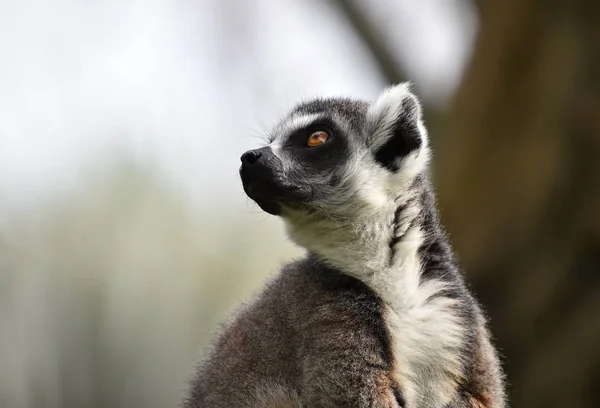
x=336 y=161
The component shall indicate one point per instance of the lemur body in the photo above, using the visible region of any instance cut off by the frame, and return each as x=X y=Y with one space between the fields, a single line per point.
x=377 y=314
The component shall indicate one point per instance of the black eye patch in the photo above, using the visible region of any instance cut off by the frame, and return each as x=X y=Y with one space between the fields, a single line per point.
x=299 y=138
x=324 y=158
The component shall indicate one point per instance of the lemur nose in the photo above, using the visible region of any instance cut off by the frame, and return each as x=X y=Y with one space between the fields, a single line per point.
x=250 y=157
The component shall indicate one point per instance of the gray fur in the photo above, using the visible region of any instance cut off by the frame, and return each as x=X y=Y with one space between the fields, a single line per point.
x=377 y=314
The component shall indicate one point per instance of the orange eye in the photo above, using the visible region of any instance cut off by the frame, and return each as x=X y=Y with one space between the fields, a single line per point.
x=317 y=138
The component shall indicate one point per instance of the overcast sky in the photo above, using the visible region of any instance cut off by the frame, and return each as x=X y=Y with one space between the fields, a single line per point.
x=185 y=85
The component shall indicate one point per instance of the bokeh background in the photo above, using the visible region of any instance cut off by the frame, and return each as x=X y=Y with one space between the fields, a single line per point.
x=125 y=236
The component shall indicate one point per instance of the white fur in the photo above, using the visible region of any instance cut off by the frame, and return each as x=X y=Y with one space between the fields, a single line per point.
x=427 y=335
x=354 y=235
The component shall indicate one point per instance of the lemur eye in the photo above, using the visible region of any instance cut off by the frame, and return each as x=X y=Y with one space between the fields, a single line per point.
x=317 y=138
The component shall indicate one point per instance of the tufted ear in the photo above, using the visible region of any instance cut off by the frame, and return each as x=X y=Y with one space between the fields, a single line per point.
x=394 y=127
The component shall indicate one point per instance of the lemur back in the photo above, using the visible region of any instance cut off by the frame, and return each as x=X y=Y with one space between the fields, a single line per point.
x=377 y=314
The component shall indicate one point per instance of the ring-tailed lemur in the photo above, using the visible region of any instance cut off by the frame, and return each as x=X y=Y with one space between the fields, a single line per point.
x=377 y=314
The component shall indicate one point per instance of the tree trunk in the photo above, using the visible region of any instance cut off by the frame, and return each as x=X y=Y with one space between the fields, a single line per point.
x=518 y=178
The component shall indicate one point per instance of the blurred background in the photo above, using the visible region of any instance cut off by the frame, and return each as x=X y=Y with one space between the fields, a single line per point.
x=125 y=236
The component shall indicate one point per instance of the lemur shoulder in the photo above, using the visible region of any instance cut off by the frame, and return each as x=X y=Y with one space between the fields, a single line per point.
x=377 y=314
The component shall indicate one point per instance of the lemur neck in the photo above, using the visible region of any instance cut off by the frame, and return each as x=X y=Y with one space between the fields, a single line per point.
x=404 y=257
x=420 y=264
x=402 y=234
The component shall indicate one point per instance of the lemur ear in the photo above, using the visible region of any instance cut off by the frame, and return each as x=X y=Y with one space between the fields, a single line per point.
x=393 y=126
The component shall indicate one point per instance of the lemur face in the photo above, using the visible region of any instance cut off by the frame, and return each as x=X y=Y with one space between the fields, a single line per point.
x=338 y=156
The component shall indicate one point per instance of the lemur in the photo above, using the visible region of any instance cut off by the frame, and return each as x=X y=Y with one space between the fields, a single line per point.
x=377 y=314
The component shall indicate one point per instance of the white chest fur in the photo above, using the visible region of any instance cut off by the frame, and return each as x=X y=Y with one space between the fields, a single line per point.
x=426 y=331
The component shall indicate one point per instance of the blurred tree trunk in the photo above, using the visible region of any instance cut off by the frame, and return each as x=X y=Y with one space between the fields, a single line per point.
x=382 y=51
x=518 y=177
x=367 y=32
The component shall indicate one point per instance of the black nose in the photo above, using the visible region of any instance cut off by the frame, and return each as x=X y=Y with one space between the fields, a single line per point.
x=250 y=157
